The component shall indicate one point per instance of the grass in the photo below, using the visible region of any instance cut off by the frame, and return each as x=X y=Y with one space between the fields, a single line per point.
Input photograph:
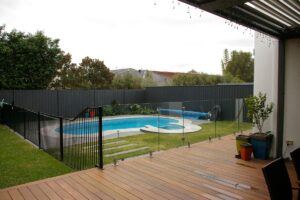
x=157 y=142
x=154 y=142
x=20 y=162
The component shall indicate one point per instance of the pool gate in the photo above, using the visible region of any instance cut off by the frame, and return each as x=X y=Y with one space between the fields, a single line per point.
x=77 y=142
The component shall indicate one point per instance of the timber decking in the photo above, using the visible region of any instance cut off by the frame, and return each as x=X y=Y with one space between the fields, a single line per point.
x=207 y=170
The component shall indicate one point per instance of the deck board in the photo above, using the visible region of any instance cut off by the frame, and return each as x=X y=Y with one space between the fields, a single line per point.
x=207 y=170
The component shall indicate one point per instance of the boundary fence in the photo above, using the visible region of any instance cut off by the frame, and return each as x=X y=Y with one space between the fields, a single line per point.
x=68 y=103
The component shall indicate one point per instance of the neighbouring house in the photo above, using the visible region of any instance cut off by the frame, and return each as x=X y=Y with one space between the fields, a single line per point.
x=160 y=78
x=163 y=78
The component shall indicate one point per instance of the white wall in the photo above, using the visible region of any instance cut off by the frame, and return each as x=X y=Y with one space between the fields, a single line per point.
x=265 y=80
x=265 y=77
x=292 y=95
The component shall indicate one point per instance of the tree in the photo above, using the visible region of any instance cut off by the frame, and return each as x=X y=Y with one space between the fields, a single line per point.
x=240 y=65
x=90 y=73
x=68 y=75
x=127 y=81
x=194 y=78
x=27 y=61
x=258 y=110
x=148 y=80
x=225 y=60
x=98 y=75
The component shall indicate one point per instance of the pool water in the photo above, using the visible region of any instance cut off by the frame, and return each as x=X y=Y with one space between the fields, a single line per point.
x=122 y=123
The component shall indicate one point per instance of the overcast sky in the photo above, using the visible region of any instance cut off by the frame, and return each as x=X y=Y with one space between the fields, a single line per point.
x=143 y=34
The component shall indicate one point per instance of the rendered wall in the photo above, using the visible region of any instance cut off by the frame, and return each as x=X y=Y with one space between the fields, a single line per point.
x=292 y=95
x=265 y=77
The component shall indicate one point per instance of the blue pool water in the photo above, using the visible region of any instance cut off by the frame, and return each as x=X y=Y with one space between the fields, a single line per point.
x=122 y=123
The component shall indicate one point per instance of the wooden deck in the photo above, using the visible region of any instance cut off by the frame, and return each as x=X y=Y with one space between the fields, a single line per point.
x=204 y=171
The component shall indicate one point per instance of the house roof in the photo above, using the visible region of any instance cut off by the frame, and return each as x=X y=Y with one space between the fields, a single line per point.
x=169 y=74
x=279 y=18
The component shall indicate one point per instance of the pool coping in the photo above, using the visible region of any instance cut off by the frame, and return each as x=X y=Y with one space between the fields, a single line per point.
x=188 y=124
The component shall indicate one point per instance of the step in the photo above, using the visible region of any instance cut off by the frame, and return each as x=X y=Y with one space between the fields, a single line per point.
x=110 y=143
x=119 y=147
x=117 y=142
x=125 y=152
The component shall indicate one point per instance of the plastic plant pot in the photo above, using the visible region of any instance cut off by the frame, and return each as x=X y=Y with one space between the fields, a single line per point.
x=246 y=151
x=241 y=139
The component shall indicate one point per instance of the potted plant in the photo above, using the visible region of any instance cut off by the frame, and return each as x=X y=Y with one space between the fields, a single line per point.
x=258 y=112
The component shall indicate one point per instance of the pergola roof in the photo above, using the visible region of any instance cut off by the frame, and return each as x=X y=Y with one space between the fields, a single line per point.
x=279 y=18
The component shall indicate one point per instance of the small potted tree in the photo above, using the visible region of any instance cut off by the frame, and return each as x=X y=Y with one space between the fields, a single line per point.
x=258 y=112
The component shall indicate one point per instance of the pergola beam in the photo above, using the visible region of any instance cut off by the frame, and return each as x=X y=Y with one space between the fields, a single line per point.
x=275 y=18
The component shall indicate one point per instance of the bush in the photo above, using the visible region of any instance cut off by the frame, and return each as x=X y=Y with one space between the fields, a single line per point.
x=116 y=109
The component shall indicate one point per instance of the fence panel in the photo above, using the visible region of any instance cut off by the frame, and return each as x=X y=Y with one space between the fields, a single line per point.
x=46 y=101
x=72 y=102
x=81 y=140
x=76 y=142
x=31 y=132
x=50 y=143
x=134 y=96
x=7 y=95
x=14 y=118
x=194 y=93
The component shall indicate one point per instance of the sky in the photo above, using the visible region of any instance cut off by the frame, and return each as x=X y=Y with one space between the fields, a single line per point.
x=162 y=35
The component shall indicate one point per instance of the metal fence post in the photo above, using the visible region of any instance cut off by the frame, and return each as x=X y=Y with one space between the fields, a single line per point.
x=61 y=139
x=39 y=129
x=24 y=120
x=100 y=145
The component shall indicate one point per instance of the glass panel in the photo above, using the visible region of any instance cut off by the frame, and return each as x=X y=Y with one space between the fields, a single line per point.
x=50 y=135
x=171 y=125
x=198 y=118
x=31 y=127
x=124 y=131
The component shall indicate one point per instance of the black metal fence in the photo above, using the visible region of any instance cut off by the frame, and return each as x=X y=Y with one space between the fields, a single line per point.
x=77 y=142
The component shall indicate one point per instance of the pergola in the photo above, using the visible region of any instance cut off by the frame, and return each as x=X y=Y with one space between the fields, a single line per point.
x=276 y=18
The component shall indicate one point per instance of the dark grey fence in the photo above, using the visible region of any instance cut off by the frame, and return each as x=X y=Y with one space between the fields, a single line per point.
x=194 y=93
x=67 y=103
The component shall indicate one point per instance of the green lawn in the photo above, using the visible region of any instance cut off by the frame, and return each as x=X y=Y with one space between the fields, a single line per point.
x=157 y=142
x=146 y=142
x=20 y=162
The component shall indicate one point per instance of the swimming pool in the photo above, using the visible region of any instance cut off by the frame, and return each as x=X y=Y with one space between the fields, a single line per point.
x=122 y=123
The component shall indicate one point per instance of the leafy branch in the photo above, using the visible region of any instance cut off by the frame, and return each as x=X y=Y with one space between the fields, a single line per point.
x=258 y=110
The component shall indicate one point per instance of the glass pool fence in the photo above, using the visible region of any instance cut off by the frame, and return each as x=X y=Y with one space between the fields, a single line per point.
x=115 y=132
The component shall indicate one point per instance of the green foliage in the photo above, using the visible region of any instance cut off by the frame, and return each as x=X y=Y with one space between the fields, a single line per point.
x=258 y=110
x=28 y=61
x=127 y=81
x=89 y=74
x=22 y=163
x=98 y=75
x=116 y=109
x=138 y=109
x=225 y=60
x=194 y=78
x=239 y=65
